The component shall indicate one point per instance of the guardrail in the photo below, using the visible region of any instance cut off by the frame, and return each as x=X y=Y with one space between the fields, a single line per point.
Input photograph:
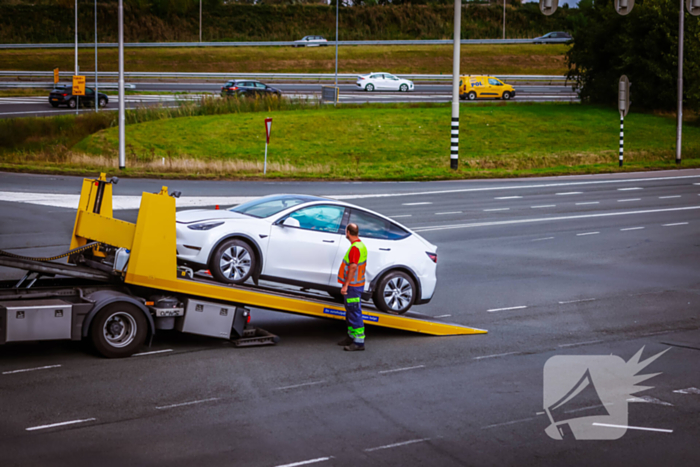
x=267 y=76
x=271 y=44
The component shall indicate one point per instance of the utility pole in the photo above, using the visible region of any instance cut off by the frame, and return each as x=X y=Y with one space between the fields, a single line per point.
x=77 y=102
x=454 y=130
x=337 y=10
x=679 y=123
x=122 y=119
x=200 y=20
x=504 y=19
x=97 y=93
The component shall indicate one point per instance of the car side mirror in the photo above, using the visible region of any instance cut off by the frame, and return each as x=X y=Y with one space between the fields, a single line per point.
x=291 y=222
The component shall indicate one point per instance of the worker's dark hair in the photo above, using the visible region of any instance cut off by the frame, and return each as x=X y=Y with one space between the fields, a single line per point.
x=353 y=230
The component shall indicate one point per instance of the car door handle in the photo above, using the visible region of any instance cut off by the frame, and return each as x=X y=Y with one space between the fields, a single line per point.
x=385 y=249
x=329 y=241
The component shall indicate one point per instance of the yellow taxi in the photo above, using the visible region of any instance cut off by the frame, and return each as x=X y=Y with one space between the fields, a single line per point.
x=473 y=87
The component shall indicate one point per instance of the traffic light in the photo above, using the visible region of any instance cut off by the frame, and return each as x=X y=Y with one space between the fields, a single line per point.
x=624 y=7
x=550 y=6
x=693 y=7
x=624 y=96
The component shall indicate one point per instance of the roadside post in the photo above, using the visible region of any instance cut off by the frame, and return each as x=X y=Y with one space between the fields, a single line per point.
x=454 y=129
x=268 y=129
x=55 y=77
x=623 y=99
x=122 y=108
x=78 y=89
x=97 y=94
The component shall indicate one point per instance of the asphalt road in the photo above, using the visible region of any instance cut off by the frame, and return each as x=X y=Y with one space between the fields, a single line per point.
x=13 y=107
x=591 y=265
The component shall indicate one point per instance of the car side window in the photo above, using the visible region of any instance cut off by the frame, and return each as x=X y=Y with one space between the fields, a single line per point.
x=89 y=92
x=320 y=218
x=260 y=86
x=370 y=225
x=495 y=82
x=391 y=77
x=374 y=77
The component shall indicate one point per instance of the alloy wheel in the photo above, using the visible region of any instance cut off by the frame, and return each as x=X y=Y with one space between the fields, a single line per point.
x=235 y=262
x=398 y=293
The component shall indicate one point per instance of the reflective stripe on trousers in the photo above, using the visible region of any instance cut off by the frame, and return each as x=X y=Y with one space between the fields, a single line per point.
x=353 y=315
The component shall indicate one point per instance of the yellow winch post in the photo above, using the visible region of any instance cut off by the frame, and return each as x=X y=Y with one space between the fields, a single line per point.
x=153 y=264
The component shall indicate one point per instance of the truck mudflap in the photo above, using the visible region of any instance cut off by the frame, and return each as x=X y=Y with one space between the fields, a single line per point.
x=253 y=337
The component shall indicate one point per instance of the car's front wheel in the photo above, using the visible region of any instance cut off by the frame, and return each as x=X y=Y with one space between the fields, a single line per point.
x=396 y=293
x=506 y=96
x=233 y=262
x=72 y=104
x=403 y=88
x=102 y=102
x=471 y=96
x=369 y=88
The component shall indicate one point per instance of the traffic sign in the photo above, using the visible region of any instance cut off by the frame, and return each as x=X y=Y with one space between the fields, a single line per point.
x=268 y=128
x=693 y=7
x=548 y=7
x=55 y=76
x=78 y=85
x=624 y=96
x=623 y=7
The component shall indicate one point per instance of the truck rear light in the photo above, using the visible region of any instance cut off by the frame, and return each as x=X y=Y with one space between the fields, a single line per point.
x=432 y=256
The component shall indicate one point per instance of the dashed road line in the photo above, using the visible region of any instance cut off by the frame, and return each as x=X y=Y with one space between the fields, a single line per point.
x=444 y=213
x=627 y=427
x=497 y=209
x=587 y=233
x=508 y=197
x=402 y=215
x=630 y=188
x=294 y=386
x=416 y=204
x=507 y=309
x=55 y=425
x=587 y=202
x=687 y=391
x=677 y=223
x=310 y=461
x=540 y=239
x=650 y=400
x=631 y=228
x=183 y=404
x=669 y=197
x=569 y=193
x=25 y=370
x=442 y=316
x=544 y=206
x=152 y=353
x=626 y=200
x=507 y=423
x=580 y=343
x=496 y=355
x=576 y=301
x=396 y=445
x=401 y=369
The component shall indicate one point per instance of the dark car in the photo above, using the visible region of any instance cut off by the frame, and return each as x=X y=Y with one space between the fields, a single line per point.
x=63 y=95
x=557 y=37
x=248 y=88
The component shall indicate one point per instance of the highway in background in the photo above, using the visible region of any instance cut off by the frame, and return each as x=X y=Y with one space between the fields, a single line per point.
x=585 y=265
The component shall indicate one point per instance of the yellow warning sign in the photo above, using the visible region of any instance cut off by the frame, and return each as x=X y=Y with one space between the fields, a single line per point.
x=78 y=85
x=55 y=76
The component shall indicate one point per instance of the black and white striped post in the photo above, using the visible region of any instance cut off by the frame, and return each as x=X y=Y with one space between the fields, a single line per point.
x=623 y=105
x=454 y=128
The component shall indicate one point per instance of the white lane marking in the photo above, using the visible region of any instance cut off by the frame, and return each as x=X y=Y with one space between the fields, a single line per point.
x=544 y=206
x=495 y=355
x=396 y=445
x=402 y=369
x=402 y=215
x=508 y=197
x=650 y=400
x=569 y=193
x=630 y=189
x=696 y=183
x=54 y=425
x=588 y=408
x=294 y=386
x=580 y=343
x=443 y=213
x=24 y=370
x=626 y=200
x=497 y=209
x=187 y=403
x=587 y=202
x=626 y=427
x=506 y=309
x=442 y=316
x=546 y=219
x=677 y=223
x=687 y=391
x=540 y=239
x=631 y=228
x=669 y=197
x=587 y=233
x=513 y=187
x=310 y=461
x=576 y=301
x=416 y=204
x=151 y=353
x=507 y=423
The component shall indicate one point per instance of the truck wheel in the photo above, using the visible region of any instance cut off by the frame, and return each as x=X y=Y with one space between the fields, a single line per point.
x=395 y=293
x=118 y=330
x=233 y=262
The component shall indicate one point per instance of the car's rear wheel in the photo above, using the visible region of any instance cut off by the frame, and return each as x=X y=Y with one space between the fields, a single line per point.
x=506 y=96
x=403 y=88
x=471 y=95
x=72 y=104
x=369 y=88
x=233 y=262
x=396 y=293
x=102 y=102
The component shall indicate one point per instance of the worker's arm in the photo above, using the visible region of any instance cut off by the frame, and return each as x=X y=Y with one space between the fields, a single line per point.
x=352 y=269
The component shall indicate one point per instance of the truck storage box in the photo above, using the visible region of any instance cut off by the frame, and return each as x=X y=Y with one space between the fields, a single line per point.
x=33 y=320
x=207 y=319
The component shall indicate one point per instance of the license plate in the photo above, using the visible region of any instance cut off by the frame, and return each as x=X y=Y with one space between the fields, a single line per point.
x=54 y=99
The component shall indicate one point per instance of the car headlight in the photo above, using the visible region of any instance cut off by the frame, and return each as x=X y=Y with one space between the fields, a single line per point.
x=204 y=226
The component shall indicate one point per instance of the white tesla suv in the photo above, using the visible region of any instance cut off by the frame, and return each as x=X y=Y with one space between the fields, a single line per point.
x=300 y=240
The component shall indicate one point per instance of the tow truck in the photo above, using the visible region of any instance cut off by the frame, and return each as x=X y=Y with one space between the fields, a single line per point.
x=121 y=284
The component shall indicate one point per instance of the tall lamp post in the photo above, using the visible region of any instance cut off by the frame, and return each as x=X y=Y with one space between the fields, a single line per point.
x=454 y=127
x=97 y=94
x=200 y=20
x=337 y=9
x=504 y=19
x=122 y=119
x=77 y=106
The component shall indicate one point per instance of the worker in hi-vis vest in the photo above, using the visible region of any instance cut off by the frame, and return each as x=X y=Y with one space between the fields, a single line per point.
x=352 y=275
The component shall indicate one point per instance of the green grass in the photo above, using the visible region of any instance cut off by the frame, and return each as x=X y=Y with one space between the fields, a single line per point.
x=436 y=59
x=399 y=142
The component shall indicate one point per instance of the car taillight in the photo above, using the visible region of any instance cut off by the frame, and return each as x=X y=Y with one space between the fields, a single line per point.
x=432 y=256
x=235 y=88
x=65 y=95
x=361 y=77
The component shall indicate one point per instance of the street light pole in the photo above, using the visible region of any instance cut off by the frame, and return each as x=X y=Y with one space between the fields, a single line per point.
x=122 y=119
x=337 y=9
x=504 y=19
x=200 y=20
x=679 y=124
x=454 y=130
x=97 y=93
x=77 y=98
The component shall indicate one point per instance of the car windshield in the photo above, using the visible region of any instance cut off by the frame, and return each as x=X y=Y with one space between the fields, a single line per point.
x=268 y=206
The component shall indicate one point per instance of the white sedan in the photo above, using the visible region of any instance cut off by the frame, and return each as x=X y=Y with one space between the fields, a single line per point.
x=383 y=82
x=300 y=240
x=311 y=41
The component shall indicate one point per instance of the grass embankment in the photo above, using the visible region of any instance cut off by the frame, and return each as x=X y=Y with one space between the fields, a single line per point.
x=435 y=59
x=393 y=142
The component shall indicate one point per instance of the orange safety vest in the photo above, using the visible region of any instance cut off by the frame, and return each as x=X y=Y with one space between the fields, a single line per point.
x=358 y=280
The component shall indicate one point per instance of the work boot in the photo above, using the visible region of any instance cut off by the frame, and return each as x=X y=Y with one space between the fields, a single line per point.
x=353 y=347
x=345 y=342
